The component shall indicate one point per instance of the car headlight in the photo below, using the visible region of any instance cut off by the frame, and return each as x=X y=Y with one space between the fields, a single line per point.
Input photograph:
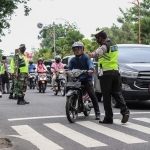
x=129 y=74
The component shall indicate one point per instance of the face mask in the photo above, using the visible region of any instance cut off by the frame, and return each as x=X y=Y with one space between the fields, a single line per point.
x=57 y=61
x=22 y=50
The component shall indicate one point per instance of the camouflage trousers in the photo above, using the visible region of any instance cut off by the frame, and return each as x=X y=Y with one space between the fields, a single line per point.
x=20 y=84
x=12 y=85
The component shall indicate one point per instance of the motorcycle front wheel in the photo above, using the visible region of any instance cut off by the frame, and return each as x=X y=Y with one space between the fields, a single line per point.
x=62 y=89
x=72 y=108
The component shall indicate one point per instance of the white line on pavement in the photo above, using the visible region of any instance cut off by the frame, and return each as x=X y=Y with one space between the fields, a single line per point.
x=35 y=138
x=62 y=116
x=74 y=135
x=133 y=126
x=147 y=120
x=120 y=136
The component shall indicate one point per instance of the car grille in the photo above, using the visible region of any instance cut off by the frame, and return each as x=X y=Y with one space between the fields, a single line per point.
x=143 y=80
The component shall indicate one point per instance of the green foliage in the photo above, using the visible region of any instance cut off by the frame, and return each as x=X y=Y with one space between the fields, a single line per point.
x=65 y=36
x=7 y=8
x=131 y=16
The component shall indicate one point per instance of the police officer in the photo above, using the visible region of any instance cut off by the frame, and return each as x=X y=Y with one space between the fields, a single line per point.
x=82 y=62
x=5 y=75
x=21 y=72
x=12 y=64
x=110 y=80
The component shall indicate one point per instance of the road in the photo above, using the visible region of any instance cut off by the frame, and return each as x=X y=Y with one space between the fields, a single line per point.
x=42 y=125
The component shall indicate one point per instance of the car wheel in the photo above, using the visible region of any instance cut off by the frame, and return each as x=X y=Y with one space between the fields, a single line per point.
x=114 y=103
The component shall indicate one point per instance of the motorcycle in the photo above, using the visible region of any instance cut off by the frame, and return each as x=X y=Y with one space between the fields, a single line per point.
x=77 y=99
x=60 y=82
x=32 y=79
x=42 y=82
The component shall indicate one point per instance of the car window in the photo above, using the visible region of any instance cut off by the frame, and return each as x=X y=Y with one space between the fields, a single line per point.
x=65 y=61
x=134 y=54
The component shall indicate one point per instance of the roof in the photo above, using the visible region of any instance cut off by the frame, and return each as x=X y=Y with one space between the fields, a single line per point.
x=133 y=45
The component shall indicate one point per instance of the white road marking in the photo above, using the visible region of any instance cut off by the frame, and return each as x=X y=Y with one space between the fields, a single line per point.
x=63 y=116
x=147 y=120
x=133 y=126
x=35 y=138
x=111 y=133
x=74 y=135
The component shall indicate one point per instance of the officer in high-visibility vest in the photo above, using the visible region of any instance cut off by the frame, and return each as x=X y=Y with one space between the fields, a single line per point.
x=21 y=72
x=12 y=64
x=110 y=80
x=5 y=75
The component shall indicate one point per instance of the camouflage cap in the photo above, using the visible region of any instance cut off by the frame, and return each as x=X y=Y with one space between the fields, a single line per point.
x=22 y=45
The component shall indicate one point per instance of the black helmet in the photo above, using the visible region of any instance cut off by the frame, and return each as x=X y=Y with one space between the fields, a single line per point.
x=78 y=44
x=30 y=62
x=101 y=34
x=40 y=59
x=57 y=58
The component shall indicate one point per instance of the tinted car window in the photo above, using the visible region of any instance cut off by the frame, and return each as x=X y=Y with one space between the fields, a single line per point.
x=134 y=55
x=65 y=61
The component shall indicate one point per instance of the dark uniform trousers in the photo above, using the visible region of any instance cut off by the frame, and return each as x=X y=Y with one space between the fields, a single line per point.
x=90 y=90
x=111 y=85
x=5 y=80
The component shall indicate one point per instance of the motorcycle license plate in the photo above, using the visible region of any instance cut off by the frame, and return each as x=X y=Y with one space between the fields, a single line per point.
x=43 y=81
x=73 y=84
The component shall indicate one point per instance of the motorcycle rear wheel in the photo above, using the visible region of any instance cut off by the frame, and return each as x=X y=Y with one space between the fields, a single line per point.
x=71 y=108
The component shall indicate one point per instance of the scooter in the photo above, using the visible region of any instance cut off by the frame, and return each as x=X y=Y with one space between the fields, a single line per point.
x=32 y=79
x=42 y=82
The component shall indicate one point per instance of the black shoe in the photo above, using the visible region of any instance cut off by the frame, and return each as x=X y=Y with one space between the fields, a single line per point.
x=15 y=97
x=106 y=121
x=26 y=102
x=97 y=117
x=4 y=92
x=20 y=101
x=11 y=96
x=125 y=118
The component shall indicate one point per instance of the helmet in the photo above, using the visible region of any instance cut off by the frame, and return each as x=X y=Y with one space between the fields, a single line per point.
x=78 y=44
x=22 y=45
x=30 y=62
x=57 y=59
x=40 y=59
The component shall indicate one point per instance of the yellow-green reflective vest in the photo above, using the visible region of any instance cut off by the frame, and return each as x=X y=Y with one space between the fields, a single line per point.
x=2 y=68
x=109 y=60
x=25 y=68
x=12 y=65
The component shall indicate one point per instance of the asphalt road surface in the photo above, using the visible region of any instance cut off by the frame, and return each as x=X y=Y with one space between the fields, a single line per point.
x=42 y=125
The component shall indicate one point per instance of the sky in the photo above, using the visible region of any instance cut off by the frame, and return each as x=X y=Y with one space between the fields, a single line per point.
x=87 y=14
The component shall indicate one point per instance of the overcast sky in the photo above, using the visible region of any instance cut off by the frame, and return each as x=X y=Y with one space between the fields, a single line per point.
x=87 y=14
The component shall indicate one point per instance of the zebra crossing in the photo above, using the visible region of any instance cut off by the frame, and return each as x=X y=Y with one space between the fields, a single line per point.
x=42 y=143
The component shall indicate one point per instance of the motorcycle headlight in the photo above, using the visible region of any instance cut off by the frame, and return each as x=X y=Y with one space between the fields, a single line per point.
x=128 y=74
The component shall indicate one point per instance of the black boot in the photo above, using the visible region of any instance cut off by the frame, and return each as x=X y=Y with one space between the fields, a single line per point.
x=15 y=97
x=11 y=96
x=25 y=101
x=20 y=101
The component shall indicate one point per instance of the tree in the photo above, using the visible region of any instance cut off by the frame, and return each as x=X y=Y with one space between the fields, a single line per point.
x=131 y=16
x=7 y=8
x=65 y=36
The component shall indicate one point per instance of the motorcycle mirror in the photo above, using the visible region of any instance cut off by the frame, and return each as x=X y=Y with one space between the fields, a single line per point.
x=66 y=67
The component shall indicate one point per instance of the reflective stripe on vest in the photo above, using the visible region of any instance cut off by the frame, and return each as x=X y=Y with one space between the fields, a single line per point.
x=109 y=60
x=25 y=68
x=12 y=65
x=2 y=69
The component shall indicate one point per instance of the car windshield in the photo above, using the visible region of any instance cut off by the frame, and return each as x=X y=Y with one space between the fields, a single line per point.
x=134 y=54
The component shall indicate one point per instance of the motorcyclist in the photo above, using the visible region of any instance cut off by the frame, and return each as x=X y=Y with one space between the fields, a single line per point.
x=40 y=69
x=56 y=66
x=82 y=62
x=31 y=68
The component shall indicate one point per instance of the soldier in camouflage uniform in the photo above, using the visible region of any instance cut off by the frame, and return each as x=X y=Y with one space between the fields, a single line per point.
x=12 y=64
x=21 y=75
